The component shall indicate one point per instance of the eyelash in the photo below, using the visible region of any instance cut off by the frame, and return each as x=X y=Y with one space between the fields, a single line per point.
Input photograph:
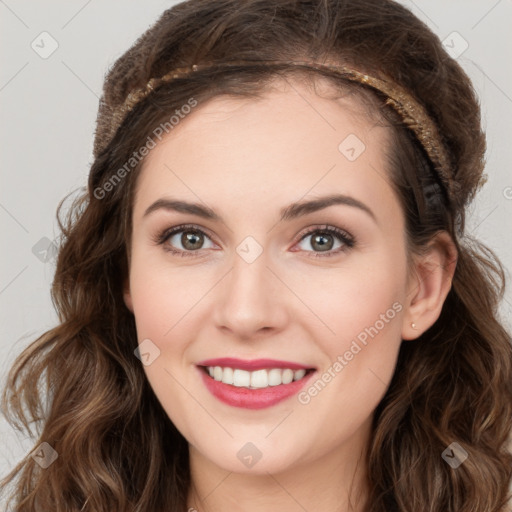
x=347 y=240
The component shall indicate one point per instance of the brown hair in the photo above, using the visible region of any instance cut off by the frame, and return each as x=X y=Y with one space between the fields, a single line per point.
x=87 y=393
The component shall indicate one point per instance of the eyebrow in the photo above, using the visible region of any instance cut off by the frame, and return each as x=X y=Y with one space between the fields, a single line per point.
x=290 y=212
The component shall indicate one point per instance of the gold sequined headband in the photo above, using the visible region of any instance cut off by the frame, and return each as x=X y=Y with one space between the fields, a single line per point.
x=412 y=113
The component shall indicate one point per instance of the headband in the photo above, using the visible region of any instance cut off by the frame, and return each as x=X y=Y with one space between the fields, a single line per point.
x=412 y=113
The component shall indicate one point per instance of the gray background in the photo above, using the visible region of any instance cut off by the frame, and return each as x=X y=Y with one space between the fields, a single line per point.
x=48 y=109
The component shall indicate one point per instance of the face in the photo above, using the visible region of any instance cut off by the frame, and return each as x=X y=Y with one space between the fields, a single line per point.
x=291 y=265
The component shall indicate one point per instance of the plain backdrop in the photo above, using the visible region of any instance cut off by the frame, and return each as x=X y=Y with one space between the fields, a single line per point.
x=54 y=58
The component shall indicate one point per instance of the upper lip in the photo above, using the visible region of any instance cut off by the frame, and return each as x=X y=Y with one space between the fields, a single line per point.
x=254 y=364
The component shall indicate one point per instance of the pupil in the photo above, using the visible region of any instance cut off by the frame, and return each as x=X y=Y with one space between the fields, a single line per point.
x=324 y=242
x=190 y=239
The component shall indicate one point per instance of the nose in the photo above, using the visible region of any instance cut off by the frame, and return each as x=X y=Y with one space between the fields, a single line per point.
x=251 y=300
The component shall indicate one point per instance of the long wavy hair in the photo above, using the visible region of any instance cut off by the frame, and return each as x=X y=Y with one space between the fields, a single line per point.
x=82 y=390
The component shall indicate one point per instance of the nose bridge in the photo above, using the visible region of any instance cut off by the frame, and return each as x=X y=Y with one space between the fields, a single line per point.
x=251 y=297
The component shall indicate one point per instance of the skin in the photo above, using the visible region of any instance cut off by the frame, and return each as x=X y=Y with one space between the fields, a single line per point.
x=246 y=160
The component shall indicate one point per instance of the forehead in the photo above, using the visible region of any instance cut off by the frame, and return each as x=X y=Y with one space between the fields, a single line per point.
x=289 y=141
x=287 y=101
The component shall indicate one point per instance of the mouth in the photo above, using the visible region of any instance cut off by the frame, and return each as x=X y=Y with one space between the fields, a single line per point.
x=253 y=384
x=257 y=379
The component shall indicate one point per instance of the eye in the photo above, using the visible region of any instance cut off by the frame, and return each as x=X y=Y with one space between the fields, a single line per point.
x=323 y=240
x=184 y=240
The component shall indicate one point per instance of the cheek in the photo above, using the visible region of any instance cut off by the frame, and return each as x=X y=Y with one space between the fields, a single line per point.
x=163 y=303
x=360 y=309
x=353 y=296
x=152 y=307
x=356 y=327
x=161 y=294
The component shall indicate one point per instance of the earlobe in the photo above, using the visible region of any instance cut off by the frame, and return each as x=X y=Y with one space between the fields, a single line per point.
x=429 y=286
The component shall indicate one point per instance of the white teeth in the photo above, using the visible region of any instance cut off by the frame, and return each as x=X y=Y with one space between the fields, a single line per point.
x=299 y=374
x=274 y=377
x=227 y=375
x=257 y=379
x=287 y=376
x=217 y=373
x=241 y=378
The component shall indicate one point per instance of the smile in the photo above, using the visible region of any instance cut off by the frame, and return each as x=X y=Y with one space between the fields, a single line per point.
x=256 y=379
x=233 y=382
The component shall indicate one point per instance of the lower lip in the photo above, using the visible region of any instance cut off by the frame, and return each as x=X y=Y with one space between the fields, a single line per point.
x=252 y=398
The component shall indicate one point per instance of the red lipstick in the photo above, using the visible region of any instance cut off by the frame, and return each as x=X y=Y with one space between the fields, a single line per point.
x=253 y=365
x=246 y=397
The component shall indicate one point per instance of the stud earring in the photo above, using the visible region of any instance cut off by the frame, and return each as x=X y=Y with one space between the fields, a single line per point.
x=413 y=325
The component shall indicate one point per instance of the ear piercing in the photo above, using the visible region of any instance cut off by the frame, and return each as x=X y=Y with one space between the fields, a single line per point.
x=413 y=325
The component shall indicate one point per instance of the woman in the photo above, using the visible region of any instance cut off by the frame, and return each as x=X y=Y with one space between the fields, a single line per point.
x=267 y=297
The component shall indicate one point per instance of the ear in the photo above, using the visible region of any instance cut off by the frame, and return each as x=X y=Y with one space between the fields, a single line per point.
x=127 y=296
x=428 y=285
